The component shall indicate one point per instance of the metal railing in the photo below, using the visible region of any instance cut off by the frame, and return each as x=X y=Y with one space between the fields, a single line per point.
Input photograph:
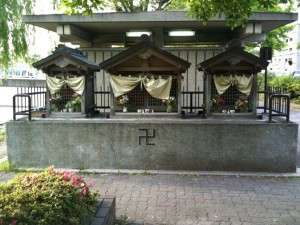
x=27 y=100
x=22 y=109
x=279 y=105
x=192 y=101
x=102 y=99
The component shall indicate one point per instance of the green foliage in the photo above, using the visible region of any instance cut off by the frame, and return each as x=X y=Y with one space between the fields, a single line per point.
x=83 y=7
x=289 y=83
x=261 y=80
x=276 y=38
x=6 y=167
x=47 y=198
x=13 y=43
x=236 y=12
x=124 y=220
x=73 y=103
x=87 y=7
x=2 y=135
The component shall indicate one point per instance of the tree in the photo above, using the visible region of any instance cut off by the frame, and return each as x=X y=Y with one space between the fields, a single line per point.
x=87 y=7
x=236 y=12
x=13 y=43
x=13 y=32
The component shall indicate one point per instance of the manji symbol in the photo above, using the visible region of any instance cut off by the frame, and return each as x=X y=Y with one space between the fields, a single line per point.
x=147 y=137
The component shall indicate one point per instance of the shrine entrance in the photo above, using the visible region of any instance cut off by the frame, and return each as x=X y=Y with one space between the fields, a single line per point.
x=231 y=81
x=144 y=79
x=70 y=81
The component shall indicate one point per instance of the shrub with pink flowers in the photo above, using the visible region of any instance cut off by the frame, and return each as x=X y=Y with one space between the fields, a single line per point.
x=47 y=198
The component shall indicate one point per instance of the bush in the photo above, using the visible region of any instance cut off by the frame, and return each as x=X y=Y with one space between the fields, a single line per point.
x=47 y=198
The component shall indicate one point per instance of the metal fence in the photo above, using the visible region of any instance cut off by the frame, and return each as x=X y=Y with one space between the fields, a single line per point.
x=192 y=101
x=29 y=99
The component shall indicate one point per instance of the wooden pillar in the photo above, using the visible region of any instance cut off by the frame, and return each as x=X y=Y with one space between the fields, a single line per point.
x=179 y=103
x=112 y=102
x=254 y=94
x=207 y=79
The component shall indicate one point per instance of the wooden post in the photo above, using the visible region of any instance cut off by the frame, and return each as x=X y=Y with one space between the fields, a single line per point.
x=179 y=93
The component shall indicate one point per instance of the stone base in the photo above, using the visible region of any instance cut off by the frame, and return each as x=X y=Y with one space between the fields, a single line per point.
x=105 y=212
x=223 y=144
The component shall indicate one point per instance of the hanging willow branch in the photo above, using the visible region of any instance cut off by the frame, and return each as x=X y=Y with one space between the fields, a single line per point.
x=13 y=43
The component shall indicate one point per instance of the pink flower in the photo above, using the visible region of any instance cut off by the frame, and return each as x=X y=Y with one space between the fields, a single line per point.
x=83 y=192
x=34 y=176
x=91 y=185
x=66 y=175
x=14 y=222
x=74 y=181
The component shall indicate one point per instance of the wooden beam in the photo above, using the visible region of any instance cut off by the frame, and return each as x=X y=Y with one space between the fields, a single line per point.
x=127 y=69
x=72 y=32
x=235 y=68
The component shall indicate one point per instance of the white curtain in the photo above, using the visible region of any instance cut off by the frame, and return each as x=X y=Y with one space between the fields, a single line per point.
x=75 y=83
x=243 y=83
x=122 y=85
x=157 y=88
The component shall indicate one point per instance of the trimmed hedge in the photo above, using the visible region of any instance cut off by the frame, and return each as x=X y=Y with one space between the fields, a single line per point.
x=47 y=198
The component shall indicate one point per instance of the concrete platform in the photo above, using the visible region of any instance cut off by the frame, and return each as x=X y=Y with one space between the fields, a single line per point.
x=228 y=144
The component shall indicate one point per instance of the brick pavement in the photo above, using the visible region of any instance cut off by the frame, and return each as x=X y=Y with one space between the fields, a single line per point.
x=201 y=200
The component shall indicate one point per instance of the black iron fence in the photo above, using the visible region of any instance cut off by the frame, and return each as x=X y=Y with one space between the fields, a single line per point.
x=192 y=101
x=29 y=99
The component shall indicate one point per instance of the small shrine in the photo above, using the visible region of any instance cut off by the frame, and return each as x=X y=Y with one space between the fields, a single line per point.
x=69 y=79
x=230 y=80
x=145 y=79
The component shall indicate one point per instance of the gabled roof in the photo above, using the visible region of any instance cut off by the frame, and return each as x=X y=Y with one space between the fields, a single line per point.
x=234 y=59
x=145 y=57
x=65 y=58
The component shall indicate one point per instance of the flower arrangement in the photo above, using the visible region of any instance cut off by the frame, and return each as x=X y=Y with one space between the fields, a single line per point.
x=56 y=102
x=216 y=103
x=50 y=197
x=123 y=101
x=242 y=103
x=171 y=101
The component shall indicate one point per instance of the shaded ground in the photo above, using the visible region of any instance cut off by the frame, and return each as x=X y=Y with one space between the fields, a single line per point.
x=200 y=200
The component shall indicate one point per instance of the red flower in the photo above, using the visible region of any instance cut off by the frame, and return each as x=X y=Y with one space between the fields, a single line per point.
x=220 y=101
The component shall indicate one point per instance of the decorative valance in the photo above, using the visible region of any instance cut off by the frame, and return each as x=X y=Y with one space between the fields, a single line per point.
x=157 y=88
x=77 y=84
x=243 y=83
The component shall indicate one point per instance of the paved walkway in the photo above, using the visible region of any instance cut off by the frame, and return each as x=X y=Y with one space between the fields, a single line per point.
x=201 y=200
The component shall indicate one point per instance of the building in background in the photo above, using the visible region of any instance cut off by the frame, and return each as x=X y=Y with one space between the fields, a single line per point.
x=287 y=62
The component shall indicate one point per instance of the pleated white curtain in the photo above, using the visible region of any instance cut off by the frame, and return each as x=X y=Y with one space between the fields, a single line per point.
x=243 y=83
x=75 y=83
x=157 y=88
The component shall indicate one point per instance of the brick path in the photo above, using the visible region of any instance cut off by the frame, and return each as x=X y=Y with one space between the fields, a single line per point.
x=201 y=200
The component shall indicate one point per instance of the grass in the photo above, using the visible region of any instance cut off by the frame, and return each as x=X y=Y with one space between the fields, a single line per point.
x=6 y=167
x=2 y=135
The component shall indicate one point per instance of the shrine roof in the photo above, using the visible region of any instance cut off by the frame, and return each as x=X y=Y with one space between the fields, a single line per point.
x=145 y=57
x=64 y=56
x=233 y=59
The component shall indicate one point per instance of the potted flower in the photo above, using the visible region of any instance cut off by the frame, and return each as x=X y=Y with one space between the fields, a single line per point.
x=170 y=103
x=56 y=102
x=242 y=104
x=216 y=102
x=74 y=104
x=124 y=102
